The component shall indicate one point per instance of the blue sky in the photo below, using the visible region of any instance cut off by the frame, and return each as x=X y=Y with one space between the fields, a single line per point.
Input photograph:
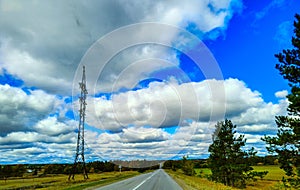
x=251 y=42
x=159 y=75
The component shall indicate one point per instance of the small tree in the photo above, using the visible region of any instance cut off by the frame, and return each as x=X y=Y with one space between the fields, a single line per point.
x=187 y=166
x=287 y=142
x=228 y=162
x=18 y=170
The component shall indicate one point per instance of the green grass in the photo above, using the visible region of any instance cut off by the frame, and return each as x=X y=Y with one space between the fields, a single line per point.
x=195 y=183
x=96 y=180
x=61 y=181
x=202 y=171
x=275 y=173
x=271 y=181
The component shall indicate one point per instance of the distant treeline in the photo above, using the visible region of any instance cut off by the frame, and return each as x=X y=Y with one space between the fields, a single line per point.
x=202 y=163
x=20 y=170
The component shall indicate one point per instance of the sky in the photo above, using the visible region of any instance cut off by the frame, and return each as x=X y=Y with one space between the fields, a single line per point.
x=160 y=75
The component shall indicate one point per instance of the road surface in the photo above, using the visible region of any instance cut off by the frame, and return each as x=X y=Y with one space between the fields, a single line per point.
x=157 y=180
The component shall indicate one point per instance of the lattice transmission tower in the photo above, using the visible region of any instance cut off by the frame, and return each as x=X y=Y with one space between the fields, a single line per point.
x=79 y=162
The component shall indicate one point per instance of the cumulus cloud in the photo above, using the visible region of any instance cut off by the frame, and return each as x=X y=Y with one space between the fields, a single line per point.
x=132 y=65
x=133 y=143
x=28 y=132
x=136 y=135
x=49 y=141
x=214 y=14
x=167 y=104
x=20 y=110
x=32 y=137
x=52 y=127
x=281 y=94
x=260 y=118
x=166 y=120
x=47 y=41
x=34 y=71
x=42 y=43
x=262 y=114
x=38 y=153
x=143 y=135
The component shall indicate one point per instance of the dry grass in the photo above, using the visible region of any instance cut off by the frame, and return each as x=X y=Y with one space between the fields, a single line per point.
x=195 y=183
x=270 y=182
x=61 y=181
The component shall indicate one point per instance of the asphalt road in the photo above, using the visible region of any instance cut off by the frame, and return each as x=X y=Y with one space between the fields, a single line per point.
x=157 y=180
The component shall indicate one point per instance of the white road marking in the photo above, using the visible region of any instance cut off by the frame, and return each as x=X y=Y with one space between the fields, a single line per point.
x=144 y=181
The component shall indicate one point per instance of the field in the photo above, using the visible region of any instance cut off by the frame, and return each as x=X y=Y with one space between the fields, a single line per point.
x=271 y=180
x=61 y=181
x=195 y=183
x=275 y=173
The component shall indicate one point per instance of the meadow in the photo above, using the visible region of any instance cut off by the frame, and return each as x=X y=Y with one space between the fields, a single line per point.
x=61 y=181
x=199 y=182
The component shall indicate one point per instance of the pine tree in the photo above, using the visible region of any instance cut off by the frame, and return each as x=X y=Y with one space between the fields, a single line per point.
x=287 y=142
x=228 y=162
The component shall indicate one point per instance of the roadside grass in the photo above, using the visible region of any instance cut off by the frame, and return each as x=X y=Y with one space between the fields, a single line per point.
x=272 y=181
x=61 y=181
x=195 y=183
x=202 y=172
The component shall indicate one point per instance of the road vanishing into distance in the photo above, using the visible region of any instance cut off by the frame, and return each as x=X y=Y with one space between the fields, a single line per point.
x=157 y=180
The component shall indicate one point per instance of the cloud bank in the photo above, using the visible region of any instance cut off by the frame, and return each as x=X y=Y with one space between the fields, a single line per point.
x=163 y=121
x=41 y=45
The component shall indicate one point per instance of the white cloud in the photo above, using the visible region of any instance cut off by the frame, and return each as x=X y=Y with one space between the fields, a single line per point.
x=39 y=153
x=141 y=121
x=19 y=111
x=213 y=14
x=262 y=114
x=134 y=135
x=132 y=65
x=281 y=94
x=50 y=141
x=128 y=112
x=257 y=128
x=135 y=143
x=52 y=127
x=33 y=137
x=42 y=43
x=34 y=71
x=170 y=104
